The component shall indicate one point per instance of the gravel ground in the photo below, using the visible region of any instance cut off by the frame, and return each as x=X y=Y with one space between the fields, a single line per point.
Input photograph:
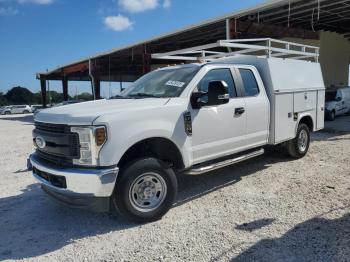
x=267 y=209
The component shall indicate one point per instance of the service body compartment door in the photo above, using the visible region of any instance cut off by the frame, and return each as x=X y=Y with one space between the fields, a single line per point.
x=320 y=109
x=284 y=121
x=305 y=101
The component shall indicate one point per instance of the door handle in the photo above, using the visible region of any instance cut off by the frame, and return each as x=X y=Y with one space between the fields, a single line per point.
x=239 y=111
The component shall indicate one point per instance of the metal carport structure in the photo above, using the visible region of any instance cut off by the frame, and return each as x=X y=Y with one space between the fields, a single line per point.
x=281 y=19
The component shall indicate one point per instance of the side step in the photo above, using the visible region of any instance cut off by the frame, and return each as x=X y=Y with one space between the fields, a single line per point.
x=213 y=166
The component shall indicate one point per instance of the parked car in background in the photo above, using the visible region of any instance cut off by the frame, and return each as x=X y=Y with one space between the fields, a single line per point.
x=4 y=109
x=337 y=102
x=36 y=108
x=17 y=109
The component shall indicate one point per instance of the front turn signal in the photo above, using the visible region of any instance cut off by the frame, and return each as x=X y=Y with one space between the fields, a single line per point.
x=100 y=136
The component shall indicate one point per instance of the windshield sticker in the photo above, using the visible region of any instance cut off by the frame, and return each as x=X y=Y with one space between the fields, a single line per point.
x=175 y=83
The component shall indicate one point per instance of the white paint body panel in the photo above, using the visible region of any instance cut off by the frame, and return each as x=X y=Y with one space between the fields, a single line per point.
x=293 y=87
x=216 y=138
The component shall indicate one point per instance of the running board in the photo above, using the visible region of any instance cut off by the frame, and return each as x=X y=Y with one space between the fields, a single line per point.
x=204 y=169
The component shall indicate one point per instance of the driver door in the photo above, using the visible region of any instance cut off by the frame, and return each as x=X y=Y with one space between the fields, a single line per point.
x=219 y=130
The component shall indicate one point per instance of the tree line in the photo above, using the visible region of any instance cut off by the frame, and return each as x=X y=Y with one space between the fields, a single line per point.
x=22 y=96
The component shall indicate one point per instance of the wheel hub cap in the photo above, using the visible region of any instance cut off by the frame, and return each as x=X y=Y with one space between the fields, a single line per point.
x=303 y=140
x=147 y=192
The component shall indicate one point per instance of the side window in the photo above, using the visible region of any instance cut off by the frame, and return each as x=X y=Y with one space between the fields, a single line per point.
x=223 y=74
x=250 y=85
x=339 y=94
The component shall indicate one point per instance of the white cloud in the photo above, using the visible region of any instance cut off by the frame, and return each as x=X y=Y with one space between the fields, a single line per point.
x=118 y=23
x=8 y=11
x=38 y=2
x=138 y=6
x=166 y=4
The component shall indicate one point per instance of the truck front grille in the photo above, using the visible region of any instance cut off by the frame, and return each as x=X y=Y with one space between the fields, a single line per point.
x=62 y=146
x=54 y=159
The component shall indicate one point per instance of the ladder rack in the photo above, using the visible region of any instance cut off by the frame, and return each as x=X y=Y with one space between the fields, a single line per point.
x=262 y=47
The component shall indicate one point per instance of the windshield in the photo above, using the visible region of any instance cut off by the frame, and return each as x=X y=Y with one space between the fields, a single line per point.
x=161 y=83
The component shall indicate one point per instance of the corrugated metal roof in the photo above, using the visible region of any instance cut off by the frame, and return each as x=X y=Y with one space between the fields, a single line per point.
x=260 y=7
x=313 y=15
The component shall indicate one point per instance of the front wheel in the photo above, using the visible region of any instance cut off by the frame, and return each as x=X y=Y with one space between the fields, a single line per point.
x=332 y=116
x=298 y=147
x=145 y=190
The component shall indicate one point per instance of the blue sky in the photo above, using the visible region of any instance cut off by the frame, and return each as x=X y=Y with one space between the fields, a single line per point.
x=36 y=35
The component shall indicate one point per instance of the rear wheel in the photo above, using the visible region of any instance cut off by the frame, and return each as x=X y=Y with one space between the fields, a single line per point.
x=145 y=190
x=299 y=146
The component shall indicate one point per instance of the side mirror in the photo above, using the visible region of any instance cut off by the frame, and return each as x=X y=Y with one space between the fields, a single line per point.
x=217 y=95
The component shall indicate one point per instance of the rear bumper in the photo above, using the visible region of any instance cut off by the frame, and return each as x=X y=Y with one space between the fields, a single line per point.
x=74 y=186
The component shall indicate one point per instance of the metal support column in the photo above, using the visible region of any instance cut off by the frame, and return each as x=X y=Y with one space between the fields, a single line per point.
x=146 y=61
x=43 y=91
x=97 y=87
x=65 y=88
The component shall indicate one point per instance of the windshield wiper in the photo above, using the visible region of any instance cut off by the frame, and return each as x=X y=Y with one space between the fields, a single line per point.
x=141 y=95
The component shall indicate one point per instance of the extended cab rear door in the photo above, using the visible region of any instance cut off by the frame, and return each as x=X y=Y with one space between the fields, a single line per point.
x=257 y=106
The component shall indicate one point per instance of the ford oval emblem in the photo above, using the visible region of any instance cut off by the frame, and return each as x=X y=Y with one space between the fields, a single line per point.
x=40 y=142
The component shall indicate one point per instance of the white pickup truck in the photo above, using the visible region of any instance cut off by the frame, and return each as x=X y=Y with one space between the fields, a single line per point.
x=125 y=153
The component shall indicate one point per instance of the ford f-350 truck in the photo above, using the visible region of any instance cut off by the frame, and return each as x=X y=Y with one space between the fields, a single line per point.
x=125 y=153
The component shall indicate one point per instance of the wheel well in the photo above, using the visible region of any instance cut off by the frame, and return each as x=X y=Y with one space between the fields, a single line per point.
x=160 y=148
x=307 y=120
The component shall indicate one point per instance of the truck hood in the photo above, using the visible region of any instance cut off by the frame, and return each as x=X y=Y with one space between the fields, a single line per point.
x=85 y=113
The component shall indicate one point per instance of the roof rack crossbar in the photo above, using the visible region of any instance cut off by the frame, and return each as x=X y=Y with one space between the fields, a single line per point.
x=262 y=47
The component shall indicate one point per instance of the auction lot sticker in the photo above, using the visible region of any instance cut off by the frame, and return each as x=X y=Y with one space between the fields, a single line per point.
x=175 y=83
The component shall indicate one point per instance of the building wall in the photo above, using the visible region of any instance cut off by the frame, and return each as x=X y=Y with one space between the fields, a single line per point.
x=334 y=57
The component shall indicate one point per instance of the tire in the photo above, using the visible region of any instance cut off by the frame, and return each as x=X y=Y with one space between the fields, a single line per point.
x=299 y=146
x=145 y=190
x=7 y=113
x=332 y=116
x=25 y=112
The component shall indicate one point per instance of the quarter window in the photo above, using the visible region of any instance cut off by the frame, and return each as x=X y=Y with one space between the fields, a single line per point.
x=223 y=74
x=250 y=85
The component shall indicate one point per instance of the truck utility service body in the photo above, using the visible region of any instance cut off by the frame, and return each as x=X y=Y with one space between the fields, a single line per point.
x=200 y=117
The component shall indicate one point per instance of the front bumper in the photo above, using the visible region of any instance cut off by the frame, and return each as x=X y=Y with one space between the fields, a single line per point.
x=74 y=183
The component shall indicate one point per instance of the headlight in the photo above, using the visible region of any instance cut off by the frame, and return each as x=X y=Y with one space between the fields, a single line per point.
x=91 y=139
